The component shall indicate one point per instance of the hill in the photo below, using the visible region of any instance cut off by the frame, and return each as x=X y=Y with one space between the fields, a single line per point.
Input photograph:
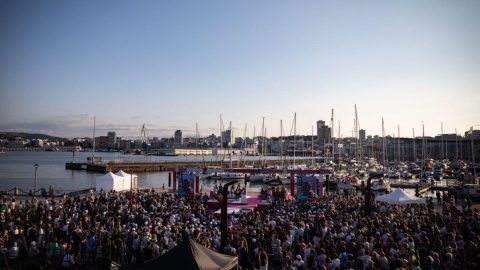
x=30 y=136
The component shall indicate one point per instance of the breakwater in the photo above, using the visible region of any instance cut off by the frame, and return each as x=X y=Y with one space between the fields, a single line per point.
x=158 y=166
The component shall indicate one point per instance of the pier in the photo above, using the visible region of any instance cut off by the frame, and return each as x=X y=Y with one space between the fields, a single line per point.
x=139 y=167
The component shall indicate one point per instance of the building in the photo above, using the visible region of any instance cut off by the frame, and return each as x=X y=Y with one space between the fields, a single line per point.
x=323 y=133
x=476 y=134
x=37 y=143
x=112 y=139
x=362 y=134
x=228 y=138
x=18 y=142
x=102 y=142
x=178 y=139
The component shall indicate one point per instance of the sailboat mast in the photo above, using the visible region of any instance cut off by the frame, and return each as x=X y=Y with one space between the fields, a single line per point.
x=338 y=144
x=399 y=149
x=221 y=141
x=356 y=134
x=263 y=140
x=196 y=143
x=281 y=142
x=255 y=149
x=333 y=141
x=414 y=148
x=230 y=144
x=473 y=158
x=294 y=137
x=245 y=146
x=456 y=144
x=313 y=161
x=383 y=145
x=93 y=151
x=423 y=149
x=443 y=156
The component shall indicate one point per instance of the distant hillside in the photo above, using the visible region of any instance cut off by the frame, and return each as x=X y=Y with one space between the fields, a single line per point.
x=13 y=135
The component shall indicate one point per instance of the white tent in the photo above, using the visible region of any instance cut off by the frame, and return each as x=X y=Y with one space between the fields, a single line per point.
x=109 y=182
x=129 y=180
x=398 y=196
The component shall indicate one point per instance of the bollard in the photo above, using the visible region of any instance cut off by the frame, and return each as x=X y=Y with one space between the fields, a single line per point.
x=15 y=192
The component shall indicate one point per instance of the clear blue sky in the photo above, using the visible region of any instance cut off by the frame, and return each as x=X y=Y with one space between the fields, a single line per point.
x=173 y=64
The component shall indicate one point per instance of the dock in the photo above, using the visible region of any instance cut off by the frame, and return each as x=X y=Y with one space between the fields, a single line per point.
x=159 y=166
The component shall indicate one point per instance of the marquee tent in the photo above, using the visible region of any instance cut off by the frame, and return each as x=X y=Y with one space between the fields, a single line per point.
x=110 y=181
x=127 y=179
x=398 y=196
x=191 y=255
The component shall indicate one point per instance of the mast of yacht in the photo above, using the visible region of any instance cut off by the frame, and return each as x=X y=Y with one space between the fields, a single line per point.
x=414 y=148
x=245 y=146
x=399 y=147
x=394 y=150
x=264 y=159
x=281 y=142
x=263 y=141
x=356 y=135
x=230 y=144
x=456 y=145
x=443 y=156
x=338 y=145
x=313 y=159
x=294 y=137
x=221 y=141
x=332 y=139
x=196 y=144
x=384 y=144
x=473 y=157
x=361 y=154
x=93 y=151
x=423 y=150
x=255 y=149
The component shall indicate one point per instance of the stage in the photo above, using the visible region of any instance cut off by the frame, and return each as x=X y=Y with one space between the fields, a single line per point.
x=252 y=202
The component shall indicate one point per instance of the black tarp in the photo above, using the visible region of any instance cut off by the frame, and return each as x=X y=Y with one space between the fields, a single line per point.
x=193 y=256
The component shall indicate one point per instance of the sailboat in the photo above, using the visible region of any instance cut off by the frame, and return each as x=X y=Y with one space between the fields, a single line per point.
x=382 y=184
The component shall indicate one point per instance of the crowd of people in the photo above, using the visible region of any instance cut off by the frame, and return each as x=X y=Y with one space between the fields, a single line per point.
x=330 y=232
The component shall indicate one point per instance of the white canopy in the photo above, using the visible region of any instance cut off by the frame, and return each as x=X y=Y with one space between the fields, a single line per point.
x=398 y=196
x=129 y=180
x=109 y=182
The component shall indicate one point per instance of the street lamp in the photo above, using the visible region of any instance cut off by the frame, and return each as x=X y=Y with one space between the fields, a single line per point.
x=35 y=185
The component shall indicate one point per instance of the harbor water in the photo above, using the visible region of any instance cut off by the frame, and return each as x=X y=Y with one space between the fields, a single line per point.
x=17 y=169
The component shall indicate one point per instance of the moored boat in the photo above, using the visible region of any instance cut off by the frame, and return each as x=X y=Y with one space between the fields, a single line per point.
x=380 y=185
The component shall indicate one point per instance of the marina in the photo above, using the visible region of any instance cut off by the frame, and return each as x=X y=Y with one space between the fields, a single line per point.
x=155 y=172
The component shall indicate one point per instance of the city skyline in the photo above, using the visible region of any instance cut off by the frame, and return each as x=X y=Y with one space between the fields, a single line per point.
x=175 y=65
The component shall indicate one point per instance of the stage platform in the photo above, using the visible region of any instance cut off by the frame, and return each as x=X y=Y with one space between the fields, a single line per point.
x=252 y=202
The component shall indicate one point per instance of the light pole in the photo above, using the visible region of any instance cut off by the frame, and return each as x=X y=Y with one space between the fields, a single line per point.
x=35 y=185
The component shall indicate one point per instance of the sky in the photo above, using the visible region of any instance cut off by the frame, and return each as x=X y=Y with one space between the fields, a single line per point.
x=180 y=64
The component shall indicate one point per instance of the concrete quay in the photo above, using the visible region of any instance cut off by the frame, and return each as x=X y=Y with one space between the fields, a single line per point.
x=104 y=167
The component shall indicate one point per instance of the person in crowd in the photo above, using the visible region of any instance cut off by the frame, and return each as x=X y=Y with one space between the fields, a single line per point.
x=322 y=230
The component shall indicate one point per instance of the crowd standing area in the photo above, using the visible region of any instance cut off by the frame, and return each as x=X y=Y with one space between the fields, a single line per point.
x=97 y=231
